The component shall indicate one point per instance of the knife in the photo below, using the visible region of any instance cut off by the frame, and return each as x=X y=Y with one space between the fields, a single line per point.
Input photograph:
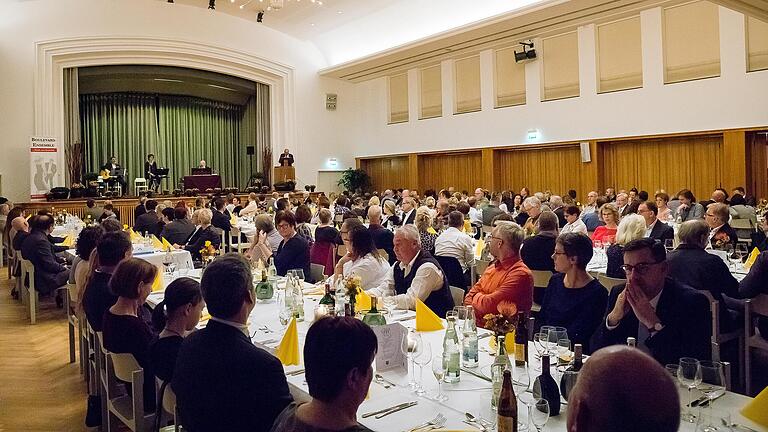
x=709 y=401
x=394 y=410
x=477 y=374
x=373 y=413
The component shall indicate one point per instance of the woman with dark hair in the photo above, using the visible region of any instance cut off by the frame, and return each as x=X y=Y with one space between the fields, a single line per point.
x=688 y=209
x=325 y=239
x=303 y=218
x=525 y=193
x=362 y=258
x=665 y=213
x=517 y=203
x=12 y=214
x=175 y=317
x=293 y=252
x=81 y=266
x=573 y=298
x=124 y=331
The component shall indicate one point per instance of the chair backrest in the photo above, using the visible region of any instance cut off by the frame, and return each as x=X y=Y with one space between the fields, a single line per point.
x=480 y=267
x=458 y=295
x=741 y=224
x=759 y=305
x=383 y=254
x=452 y=270
x=316 y=272
x=541 y=278
x=28 y=269
x=125 y=365
x=139 y=180
x=610 y=283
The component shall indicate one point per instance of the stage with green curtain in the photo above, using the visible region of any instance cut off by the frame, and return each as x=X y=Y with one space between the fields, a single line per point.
x=179 y=130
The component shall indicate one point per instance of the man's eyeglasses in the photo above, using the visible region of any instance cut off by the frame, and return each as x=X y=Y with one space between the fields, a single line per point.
x=283 y=225
x=641 y=268
x=490 y=237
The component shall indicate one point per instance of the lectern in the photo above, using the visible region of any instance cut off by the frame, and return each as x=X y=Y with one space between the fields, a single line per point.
x=284 y=173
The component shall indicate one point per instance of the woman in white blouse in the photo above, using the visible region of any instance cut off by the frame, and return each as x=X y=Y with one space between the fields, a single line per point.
x=575 y=224
x=362 y=259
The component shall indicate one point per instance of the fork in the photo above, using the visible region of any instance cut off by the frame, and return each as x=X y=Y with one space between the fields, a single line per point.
x=435 y=423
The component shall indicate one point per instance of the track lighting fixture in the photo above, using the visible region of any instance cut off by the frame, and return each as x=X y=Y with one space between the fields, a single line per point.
x=528 y=52
x=212 y=4
x=260 y=16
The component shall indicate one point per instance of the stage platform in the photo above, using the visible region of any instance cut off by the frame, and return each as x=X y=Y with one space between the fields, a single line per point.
x=125 y=206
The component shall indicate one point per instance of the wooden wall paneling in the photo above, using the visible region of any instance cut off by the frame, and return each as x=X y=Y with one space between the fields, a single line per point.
x=461 y=170
x=734 y=159
x=664 y=163
x=757 y=164
x=556 y=168
x=412 y=178
x=386 y=172
x=488 y=169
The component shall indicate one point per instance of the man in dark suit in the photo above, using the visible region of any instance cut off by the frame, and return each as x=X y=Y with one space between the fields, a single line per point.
x=654 y=228
x=721 y=235
x=116 y=174
x=491 y=211
x=668 y=319
x=49 y=274
x=113 y=248
x=220 y=219
x=382 y=237
x=179 y=229
x=205 y=232
x=558 y=208
x=150 y=172
x=622 y=204
x=286 y=158
x=221 y=380
x=140 y=209
x=537 y=251
x=149 y=222
x=21 y=225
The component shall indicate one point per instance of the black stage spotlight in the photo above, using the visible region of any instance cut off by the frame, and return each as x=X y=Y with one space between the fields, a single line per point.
x=260 y=16
x=212 y=4
x=170 y=1
x=527 y=54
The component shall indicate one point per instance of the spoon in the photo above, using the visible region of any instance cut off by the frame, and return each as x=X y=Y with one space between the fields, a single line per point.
x=478 y=420
x=730 y=424
x=474 y=421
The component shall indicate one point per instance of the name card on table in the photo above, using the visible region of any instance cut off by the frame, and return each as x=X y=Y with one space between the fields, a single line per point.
x=390 y=353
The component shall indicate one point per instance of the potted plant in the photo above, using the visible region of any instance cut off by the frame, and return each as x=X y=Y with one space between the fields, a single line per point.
x=77 y=190
x=355 y=180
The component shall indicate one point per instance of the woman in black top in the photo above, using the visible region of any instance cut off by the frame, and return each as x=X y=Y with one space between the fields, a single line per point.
x=174 y=317
x=293 y=252
x=124 y=331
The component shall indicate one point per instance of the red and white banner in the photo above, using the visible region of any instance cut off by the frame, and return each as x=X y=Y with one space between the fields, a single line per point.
x=45 y=172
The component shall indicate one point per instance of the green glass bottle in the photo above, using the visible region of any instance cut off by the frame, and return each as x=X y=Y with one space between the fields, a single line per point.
x=264 y=290
x=328 y=297
x=374 y=317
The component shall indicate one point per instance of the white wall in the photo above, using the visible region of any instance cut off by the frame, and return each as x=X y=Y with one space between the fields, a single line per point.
x=733 y=100
x=22 y=24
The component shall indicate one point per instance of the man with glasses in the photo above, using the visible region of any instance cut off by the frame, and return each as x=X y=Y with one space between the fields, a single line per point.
x=721 y=235
x=654 y=228
x=669 y=320
x=506 y=286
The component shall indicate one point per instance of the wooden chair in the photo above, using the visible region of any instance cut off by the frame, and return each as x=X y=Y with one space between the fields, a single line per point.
x=744 y=229
x=458 y=295
x=718 y=339
x=28 y=293
x=129 y=409
x=610 y=283
x=316 y=272
x=540 y=280
x=72 y=322
x=168 y=408
x=753 y=308
x=383 y=254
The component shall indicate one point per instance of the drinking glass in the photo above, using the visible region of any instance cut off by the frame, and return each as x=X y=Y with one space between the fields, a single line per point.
x=564 y=351
x=741 y=251
x=712 y=385
x=539 y=413
x=422 y=360
x=689 y=375
x=669 y=244
x=298 y=274
x=390 y=302
x=672 y=369
x=540 y=343
x=555 y=335
x=413 y=347
x=284 y=313
x=439 y=371
x=521 y=380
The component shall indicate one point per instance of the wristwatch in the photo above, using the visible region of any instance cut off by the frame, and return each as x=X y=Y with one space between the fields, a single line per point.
x=656 y=328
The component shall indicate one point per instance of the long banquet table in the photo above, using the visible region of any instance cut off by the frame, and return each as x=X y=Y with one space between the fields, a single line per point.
x=471 y=394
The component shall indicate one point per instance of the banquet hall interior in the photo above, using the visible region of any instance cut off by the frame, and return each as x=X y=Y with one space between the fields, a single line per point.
x=382 y=187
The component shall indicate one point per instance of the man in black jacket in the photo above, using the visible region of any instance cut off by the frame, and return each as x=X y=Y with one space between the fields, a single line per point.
x=382 y=237
x=49 y=274
x=668 y=319
x=654 y=228
x=113 y=248
x=139 y=209
x=221 y=380
x=220 y=219
x=179 y=229
x=149 y=222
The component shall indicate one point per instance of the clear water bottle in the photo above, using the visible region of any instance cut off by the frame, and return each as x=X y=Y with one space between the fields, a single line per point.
x=451 y=355
x=298 y=298
x=340 y=297
x=469 y=348
x=272 y=271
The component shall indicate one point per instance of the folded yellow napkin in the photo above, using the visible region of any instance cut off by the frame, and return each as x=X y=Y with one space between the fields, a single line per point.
x=752 y=257
x=362 y=301
x=431 y=230
x=157 y=285
x=288 y=350
x=156 y=243
x=69 y=241
x=467 y=227
x=757 y=409
x=166 y=245
x=233 y=220
x=134 y=235
x=426 y=320
x=205 y=317
x=479 y=248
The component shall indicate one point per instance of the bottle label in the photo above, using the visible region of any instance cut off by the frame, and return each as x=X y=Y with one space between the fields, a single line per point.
x=506 y=424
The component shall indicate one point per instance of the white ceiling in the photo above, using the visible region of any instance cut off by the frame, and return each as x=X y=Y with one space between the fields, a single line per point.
x=345 y=30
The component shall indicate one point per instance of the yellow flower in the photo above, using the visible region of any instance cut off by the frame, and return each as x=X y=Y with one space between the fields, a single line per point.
x=207 y=243
x=125 y=226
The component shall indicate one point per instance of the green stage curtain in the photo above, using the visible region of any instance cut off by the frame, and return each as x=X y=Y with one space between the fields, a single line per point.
x=178 y=130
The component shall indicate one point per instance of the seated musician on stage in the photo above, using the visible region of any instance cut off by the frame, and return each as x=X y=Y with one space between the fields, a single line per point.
x=113 y=172
x=150 y=172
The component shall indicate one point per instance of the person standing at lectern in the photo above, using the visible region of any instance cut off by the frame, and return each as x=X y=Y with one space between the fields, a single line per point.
x=286 y=158
x=150 y=172
x=202 y=164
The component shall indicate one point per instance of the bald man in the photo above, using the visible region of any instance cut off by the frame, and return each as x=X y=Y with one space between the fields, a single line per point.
x=624 y=390
x=19 y=231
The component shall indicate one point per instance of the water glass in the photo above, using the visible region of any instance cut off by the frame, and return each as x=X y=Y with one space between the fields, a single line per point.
x=539 y=414
x=712 y=385
x=564 y=354
x=438 y=369
x=689 y=375
x=413 y=347
x=422 y=360
x=298 y=274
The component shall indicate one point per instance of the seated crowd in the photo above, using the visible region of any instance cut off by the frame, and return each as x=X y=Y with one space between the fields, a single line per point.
x=410 y=248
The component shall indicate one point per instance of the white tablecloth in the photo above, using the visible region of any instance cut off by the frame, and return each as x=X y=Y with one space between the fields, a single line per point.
x=182 y=258
x=471 y=394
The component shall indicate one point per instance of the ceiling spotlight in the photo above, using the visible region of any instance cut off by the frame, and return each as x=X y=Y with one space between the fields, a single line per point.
x=170 y=1
x=212 y=4
x=260 y=16
x=528 y=52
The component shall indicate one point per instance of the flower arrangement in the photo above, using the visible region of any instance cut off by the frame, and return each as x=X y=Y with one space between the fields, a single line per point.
x=721 y=240
x=500 y=324
x=353 y=285
x=208 y=251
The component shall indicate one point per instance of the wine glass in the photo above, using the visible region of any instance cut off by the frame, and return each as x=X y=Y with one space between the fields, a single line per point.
x=540 y=343
x=564 y=351
x=521 y=381
x=741 y=251
x=539 y=413
x=689 y=375
x=422 y=360
x=438 y=370
x=669 y=244
x=712 y=385
x=413 y=346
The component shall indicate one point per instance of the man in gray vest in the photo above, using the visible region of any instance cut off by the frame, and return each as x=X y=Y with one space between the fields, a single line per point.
x=416 y=274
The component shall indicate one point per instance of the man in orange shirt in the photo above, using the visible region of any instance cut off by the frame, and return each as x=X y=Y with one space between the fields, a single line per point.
x=506 y=285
